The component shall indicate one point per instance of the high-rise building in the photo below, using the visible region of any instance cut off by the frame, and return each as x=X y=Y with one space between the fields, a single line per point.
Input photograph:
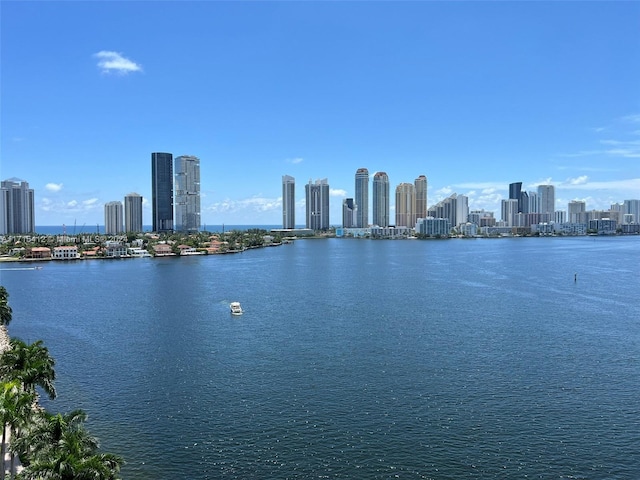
x=317 y=200
x=381 y=199
x=405 y=205
x=348 y=213
x=510 y=211
x=187 y=193
x=288 y=202
x=576 y=210
x=420 y=184
x=515 y=192
x=547 y=198
x=362 y=198
x=113 y=218
x=17 y=213
x=533 y=203
x=162 y=191
x=133 y=213
x=455 y=208
x=632 y=207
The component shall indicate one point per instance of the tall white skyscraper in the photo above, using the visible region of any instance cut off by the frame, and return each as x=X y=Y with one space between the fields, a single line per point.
x=288 y=202
x=576 y=210
x=317 y=200
x=455 y=208
x=405 y=205
x=362 y=198
x=113 y=218
x=632 y=207
x=420 y=184
x=509 y=211
x=547 y=199
x=462 y=209
x=17 y=213
x=533 y=203
x=187 y=193
x=381 y=199
x=133 y=213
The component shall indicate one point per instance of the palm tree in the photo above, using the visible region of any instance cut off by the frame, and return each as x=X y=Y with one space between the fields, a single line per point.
x=5 y=309
x=45 y=431
x=16 y=407
x=62 y=449
x=30 y=364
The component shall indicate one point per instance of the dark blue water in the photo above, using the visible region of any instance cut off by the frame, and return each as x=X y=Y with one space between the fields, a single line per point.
x=458 y=359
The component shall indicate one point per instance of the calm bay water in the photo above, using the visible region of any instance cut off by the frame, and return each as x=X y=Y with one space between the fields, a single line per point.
x=358 y=359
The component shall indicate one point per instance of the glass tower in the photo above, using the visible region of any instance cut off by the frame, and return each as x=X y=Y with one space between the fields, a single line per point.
x=162 y=191
x=113 y=218
x=133 y=213
x=317 y=197
x=187 y=200
x=288 y=202
x=420 y=185
x=547 y=199
x=362 y=198
x=16 y=207
x=381 y=199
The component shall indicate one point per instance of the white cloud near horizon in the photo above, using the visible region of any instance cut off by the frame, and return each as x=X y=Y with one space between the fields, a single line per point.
x=53 y=187
x=114 y=62
x=578 y=181
x=255 y=204
x=337 y=192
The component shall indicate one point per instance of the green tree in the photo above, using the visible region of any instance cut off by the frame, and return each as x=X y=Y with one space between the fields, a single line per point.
x=65 y=450
x=16 y=407
x=30 y=364
x=44 y=432
x=5 y=309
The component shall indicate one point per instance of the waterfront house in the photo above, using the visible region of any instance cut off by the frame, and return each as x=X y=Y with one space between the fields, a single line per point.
x=115 y=250
x=65 y=252
x=38 y=252
x=162 y=250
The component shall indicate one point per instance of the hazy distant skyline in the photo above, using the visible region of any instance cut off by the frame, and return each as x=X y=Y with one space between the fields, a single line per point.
x=474 y=95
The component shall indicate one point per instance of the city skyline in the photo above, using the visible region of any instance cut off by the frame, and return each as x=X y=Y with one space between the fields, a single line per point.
x=473 y=95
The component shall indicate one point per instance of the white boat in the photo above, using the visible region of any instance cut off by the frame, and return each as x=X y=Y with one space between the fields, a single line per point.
x=236 y=309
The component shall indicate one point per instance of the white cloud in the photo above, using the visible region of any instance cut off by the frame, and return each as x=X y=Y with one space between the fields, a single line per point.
x=114 y=62
x=479 y=186
x=337 y=192
x=634 y=118
x=619 y=185
x=89 y=202
x=546 y=181
x=578 y=180
x=445 y=191
x=254 y=204
x=72 y=204
x=53 y=187
x=295 y=160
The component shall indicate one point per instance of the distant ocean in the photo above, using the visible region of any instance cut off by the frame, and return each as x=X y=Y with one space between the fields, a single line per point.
x=93 y=229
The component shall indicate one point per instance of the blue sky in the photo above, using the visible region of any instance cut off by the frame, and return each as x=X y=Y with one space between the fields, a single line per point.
x=474 y=95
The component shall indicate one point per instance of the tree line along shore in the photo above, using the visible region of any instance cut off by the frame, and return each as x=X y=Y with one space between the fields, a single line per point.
x=37 y=444
x=66 y=247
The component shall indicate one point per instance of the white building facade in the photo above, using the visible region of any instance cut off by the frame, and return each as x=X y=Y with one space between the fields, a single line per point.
x=113 y=218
